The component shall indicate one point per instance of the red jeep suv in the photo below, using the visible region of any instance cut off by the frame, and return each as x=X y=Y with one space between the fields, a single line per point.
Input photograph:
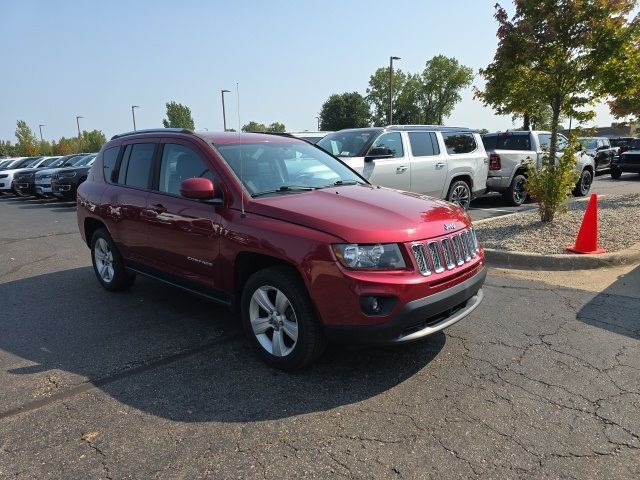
x=306 y=248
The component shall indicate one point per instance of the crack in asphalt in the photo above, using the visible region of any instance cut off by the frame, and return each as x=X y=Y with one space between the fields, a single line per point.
x=10 y=240
x=114 y=377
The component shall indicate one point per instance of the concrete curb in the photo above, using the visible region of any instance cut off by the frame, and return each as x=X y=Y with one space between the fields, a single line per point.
x=538 y=261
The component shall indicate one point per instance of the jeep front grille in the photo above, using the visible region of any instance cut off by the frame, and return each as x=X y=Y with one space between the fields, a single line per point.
x=445 y=253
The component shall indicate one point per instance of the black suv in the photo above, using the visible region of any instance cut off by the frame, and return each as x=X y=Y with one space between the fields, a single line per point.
x=65 y=182
x=629 y=161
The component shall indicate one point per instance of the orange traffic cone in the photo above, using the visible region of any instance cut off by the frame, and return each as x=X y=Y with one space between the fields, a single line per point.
x=587 y=240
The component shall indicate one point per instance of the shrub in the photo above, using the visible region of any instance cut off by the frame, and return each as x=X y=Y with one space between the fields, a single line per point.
x=552 y=182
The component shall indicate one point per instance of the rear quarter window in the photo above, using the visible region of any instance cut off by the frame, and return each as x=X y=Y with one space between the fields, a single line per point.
x=507 y=141
x=459 y=142
x=109 y=157
x=423 y=144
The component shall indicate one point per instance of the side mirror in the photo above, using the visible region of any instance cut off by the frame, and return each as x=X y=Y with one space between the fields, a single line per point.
x=377 y=153
x=197 y=188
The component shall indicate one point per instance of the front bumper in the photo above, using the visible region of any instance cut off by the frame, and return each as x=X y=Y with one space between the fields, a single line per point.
x=626 y=167
x=418 y=318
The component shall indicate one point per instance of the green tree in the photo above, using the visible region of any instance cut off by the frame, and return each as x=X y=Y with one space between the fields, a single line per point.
x=6 y=149
x=27 y=144
x=46 y=148
x=178 y=116
x=378 y=94
x=277 y=127
x=345 y=110
x=441 y=82
x=558 y=53
x=254 y=127
x=66 y=146
x=92 y=141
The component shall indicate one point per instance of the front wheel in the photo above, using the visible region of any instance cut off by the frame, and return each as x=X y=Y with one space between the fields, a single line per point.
x=616 y=173
x=279 y=319
x=108 y=264
x=584 y=184
x=460 y=194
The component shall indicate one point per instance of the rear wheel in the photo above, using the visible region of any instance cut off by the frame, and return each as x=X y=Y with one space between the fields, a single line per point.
x=516 y=194
x=108 y=264
x=279 y=320
x=584 y=184
x=460 y=194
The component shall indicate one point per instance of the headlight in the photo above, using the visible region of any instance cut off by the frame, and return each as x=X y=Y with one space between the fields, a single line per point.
x=67 y=175
x=370 y=257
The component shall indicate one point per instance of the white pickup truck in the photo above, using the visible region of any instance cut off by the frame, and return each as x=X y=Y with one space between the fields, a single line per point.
x=509 y=151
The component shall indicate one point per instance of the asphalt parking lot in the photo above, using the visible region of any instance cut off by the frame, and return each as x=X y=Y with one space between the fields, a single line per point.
x=540 y=381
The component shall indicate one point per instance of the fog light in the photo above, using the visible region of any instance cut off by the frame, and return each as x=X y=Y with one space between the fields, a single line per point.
x=374 y=305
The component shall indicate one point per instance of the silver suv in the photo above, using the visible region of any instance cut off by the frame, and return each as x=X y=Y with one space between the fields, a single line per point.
x=443 y=162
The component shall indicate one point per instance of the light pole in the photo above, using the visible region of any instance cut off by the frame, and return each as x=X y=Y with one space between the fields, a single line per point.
x=390 y=116
x=318 y=119
x=224 y=115
x=79 y=136
x=133 y=114
x=40 y=127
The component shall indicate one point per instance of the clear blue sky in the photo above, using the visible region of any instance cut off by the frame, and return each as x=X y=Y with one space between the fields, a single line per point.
x=97 y=58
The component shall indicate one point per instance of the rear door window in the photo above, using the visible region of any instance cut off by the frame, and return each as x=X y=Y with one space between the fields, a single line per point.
x=459 y=142
x=423 y=144
x=136 y=166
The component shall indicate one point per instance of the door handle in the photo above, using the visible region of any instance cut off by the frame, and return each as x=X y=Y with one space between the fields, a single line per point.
x=439 y=165
x=401 y=169
x=158 y=208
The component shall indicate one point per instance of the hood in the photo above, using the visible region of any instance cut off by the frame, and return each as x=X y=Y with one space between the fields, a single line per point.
x=365 y=213
x=73 y=169
x=47 y=171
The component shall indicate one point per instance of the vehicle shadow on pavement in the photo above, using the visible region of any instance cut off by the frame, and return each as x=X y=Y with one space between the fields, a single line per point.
x=173 y=355
x=616 y=308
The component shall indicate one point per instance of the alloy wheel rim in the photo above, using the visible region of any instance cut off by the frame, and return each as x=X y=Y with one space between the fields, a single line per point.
x=460 y=196
x=519 y=192
x=586 y=182
x=273 y=321
x=104 y=260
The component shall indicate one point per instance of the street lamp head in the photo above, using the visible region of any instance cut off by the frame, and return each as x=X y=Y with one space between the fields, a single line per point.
x=77 y=116
x=396 y=58
x=135 y=106
x=225 y=91
x=42 y=125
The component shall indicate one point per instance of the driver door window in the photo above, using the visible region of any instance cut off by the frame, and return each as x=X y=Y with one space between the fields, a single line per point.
x=178 y=164
x=392 y=142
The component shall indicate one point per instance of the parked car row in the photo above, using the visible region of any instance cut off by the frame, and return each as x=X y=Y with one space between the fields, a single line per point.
x=45 y=176
x=628 y=160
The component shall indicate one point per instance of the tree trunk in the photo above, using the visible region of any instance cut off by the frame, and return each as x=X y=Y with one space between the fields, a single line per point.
x=526 y=125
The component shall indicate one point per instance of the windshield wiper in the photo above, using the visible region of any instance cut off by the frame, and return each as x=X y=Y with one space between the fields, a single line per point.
x=340 y=183
x=285 y=188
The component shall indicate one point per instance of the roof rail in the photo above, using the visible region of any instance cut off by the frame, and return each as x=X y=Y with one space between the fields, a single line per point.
x=426 y=127
x=279 y=134
x=152 y=130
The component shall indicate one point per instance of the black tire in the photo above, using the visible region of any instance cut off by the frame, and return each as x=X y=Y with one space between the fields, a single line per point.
x=310 y=342
x=616 y=173
x=460 y=194
x=120 y=279
x=516 y=194
x=584 y=184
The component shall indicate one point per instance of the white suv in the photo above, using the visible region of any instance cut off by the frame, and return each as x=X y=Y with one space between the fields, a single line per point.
x=443 y=162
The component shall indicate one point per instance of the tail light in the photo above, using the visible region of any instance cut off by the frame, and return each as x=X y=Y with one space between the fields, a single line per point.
x=494 y=162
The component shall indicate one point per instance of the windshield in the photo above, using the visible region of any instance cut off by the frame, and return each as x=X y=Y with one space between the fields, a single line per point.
x=587 y=143
x=4 y=163
x=285 y=167
x=25 y=162
x=48 y=162
x=83 y=161
x=348 y=143
x=70 y=160
x=635 y=144
x=507 y=141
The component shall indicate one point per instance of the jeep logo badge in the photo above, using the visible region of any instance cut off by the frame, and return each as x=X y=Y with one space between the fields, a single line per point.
x=449 y=226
